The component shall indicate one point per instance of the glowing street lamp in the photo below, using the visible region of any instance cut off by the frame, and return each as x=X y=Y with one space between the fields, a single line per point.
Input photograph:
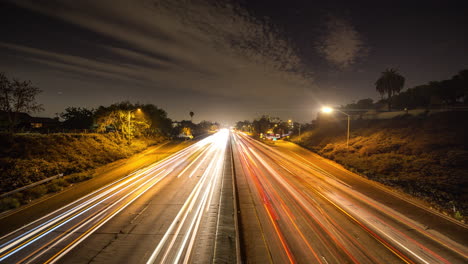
x=129 y=114
x=328 y=110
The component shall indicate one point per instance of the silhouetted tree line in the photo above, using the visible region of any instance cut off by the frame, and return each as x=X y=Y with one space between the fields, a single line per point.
x=123 y=117
x=187 y=128
x=266 y=124
x=451 y=92
x=132 y=120
x=18 y=99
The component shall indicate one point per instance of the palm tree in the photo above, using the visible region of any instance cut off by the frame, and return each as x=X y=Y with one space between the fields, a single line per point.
x=390 y=83
x=191 y=115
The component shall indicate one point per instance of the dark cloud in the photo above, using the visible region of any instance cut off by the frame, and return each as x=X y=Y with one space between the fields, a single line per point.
x=341 y=44
x=218 y=59
x=212 y=49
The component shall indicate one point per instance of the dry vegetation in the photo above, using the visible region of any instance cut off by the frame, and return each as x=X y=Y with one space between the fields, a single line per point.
x=27 y=158
x=426 y=157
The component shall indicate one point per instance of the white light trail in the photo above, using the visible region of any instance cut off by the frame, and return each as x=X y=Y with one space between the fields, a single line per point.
x=190 y=215
x=93 y=207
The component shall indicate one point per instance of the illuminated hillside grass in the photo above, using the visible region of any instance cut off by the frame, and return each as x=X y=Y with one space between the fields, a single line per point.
x=425 y=157
x=27 y=158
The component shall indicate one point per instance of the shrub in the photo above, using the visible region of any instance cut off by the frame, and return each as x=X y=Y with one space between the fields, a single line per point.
x=52 y=188
x=61 y=182
x=35 y=192
x=8 y=203
x=79 y=177
x=458 y=216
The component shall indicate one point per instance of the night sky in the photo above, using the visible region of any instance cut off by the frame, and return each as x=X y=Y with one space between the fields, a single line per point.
x=227 y=60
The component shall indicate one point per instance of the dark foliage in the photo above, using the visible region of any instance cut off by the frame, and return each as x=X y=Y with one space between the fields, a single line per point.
x=77 y=118
x=17 y=96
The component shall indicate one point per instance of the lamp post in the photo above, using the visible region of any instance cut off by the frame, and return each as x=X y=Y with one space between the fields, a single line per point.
x=328 y=110
x=129 y=115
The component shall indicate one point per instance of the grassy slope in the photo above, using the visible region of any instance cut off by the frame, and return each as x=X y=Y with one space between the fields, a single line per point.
x=25 y=159
x=425 y=157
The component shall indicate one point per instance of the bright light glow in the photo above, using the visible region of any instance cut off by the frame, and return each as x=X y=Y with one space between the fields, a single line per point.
x=177 y=244
x=220 y=139
x=327 y=109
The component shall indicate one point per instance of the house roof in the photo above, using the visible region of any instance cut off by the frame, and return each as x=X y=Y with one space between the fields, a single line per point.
x=26 y=118
x=43 y=120
x=21 y=116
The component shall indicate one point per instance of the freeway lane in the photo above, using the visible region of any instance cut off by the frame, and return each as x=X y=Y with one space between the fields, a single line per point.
x=154 y=215
x=306 y=215
x=415 y=209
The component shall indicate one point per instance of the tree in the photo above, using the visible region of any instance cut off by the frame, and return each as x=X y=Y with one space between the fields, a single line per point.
x=363 y=104
x=160 y=123
x=455 y=90
x=281 y=128
x=245 y=126
x=17 y=96
x=187 y=131
x=461 y=81
x=124 y=117
x=123 y=121
x=191 y=115
x=203 y=127
x=184 y=126
x=367 y=103
x=446 y=92
x=390 y=83
x=262 y=125
x=148 y=120
x=77 y=118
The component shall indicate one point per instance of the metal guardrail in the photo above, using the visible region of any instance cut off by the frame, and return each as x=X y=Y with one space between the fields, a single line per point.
x=31 y=185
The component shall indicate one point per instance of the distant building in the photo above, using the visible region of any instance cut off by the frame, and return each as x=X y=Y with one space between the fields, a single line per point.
x=25 y=122
x=43 y=122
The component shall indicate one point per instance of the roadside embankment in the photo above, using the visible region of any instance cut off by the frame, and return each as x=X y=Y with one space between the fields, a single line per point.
x=425 y=157
x=28 y=158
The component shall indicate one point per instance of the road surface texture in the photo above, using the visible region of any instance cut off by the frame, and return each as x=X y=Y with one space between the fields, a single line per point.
x=178 y=210
x=295 y=207
x=294 y=210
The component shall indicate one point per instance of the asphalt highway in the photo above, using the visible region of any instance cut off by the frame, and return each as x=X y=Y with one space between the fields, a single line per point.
x=291 y=209
x=302 y=213
x=165 y=213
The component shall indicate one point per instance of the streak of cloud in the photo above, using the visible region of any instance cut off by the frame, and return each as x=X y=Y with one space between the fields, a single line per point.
x=210 y=47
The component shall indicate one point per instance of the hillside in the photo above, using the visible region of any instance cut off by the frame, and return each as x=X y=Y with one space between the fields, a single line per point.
x=27 y=158
x=426 y=157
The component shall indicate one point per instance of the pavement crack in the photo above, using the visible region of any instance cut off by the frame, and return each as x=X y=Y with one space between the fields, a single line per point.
x=104 y=248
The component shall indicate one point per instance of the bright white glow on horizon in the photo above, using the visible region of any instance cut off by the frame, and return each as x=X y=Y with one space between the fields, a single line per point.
x=327 y=109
